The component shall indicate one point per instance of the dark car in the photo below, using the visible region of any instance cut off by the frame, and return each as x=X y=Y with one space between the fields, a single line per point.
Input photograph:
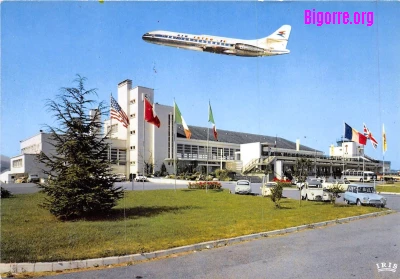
x=33 y=178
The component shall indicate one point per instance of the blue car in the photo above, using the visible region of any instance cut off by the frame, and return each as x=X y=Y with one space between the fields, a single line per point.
x=363 y=195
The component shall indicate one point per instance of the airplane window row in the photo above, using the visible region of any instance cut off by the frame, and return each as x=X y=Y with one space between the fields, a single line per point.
x=191 y=40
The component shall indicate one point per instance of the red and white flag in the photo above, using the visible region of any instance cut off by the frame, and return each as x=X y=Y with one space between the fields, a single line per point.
x=369 y=136
x=150 y=114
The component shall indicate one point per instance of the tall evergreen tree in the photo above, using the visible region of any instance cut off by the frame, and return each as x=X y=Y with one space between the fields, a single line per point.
x=80 y=182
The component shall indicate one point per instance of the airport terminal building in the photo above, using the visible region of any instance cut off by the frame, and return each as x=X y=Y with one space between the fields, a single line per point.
x=143 y=144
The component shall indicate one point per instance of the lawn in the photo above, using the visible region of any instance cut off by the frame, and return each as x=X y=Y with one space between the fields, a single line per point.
x=393 y=188
x=153 y=220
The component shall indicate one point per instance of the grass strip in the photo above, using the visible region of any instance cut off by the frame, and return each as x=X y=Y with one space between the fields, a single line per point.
x=148 y=221
x=392 y=188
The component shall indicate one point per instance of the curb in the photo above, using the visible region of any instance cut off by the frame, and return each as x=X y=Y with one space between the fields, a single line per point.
x=64 y=265
x=389 y=193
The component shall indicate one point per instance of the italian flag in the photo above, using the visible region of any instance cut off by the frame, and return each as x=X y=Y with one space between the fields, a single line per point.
x=211 y=120
x=179 y=120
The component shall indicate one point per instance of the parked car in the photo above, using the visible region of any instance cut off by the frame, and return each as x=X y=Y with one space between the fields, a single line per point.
x=120 y=177
x=300 y=185
x=243 y=187
x=141 y=178
x=363 y=195
x=342 y=184
x=266 y=188
x=32 y=178
x=313 y=191
x=21 y=179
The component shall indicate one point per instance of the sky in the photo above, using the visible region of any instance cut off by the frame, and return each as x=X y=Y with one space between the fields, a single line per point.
x=335 y=73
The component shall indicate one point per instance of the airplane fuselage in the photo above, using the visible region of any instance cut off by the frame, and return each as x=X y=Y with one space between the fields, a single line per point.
x=213 y=44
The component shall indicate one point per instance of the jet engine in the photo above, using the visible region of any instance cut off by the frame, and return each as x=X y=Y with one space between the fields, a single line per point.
x=248 y=48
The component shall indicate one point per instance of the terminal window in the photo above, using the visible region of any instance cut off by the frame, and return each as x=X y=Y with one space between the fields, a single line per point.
x=17 y=163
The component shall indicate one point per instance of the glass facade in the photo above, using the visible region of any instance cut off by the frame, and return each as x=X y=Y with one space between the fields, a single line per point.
x=188 y=151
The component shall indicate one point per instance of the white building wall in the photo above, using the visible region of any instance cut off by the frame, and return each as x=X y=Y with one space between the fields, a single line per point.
x=250 y=151
x=26 y=163
x=30 y=165
x=6 y=177
x=161 y=135
x=36 y=144
x=347 y=149
x=278 y=169
x=141 y=146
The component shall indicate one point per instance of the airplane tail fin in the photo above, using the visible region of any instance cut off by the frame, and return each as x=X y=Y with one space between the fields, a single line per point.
x=278 y=39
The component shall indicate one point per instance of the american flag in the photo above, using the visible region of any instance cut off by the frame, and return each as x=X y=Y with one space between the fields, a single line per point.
x=116 y=112
x=369 y=135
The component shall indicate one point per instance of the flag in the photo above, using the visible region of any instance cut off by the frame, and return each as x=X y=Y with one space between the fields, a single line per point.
x=384 y=144
x=211 y=119
x=179 y=120
x=354 y=135
x=369 y=136
x=116 y=112
x=150 y=114
x=332 y=150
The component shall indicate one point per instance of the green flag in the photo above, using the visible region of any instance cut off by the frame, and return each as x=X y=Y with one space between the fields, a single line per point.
x=179 y=120
x=211 y=120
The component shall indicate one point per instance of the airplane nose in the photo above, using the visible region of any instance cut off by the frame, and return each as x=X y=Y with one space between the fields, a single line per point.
x=146 y=36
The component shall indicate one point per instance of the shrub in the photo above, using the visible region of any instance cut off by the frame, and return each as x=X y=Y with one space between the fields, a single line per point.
x=276 y=194
x=205 y=185
x=285 y=184
x=193 y=177
x=5 y=193
x=335 y=191
x=222 y=175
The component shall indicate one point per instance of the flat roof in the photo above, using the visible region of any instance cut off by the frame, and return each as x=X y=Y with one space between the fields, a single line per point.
x=225 y=136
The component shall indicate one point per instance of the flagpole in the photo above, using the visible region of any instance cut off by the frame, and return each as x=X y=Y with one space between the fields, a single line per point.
x=128 y=152
x=174 y=142
x=383 y=150
x=144 y=135
x=208 y=138
x=110 y=131
x=344 y=131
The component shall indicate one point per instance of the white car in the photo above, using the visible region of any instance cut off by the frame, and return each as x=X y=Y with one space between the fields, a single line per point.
x=266 y=188
x=243 y=187
x=141 y=178
x=313 y=191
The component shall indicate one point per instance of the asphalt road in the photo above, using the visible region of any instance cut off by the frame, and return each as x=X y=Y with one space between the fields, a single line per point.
x=350 y=250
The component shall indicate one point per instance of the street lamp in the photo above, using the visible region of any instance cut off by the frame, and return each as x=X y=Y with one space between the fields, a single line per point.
x=315 y=156
x=221 y=157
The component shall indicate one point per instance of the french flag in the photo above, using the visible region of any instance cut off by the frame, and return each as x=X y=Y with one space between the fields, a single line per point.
x=354 y=135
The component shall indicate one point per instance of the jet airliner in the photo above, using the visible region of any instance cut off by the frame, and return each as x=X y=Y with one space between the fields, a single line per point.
x=274 y=44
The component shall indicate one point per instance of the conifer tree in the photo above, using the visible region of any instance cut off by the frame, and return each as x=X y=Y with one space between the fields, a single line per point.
x=80 y=182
